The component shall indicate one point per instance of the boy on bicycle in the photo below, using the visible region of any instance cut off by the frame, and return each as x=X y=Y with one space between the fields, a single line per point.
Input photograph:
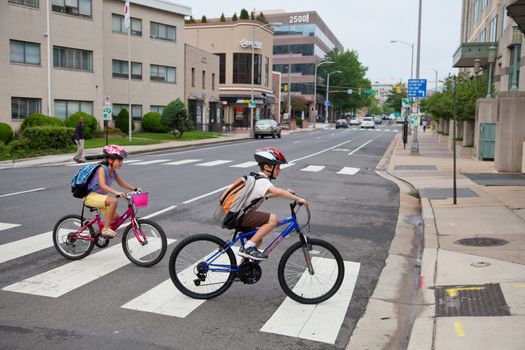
x=100 y=185
x=269 y=160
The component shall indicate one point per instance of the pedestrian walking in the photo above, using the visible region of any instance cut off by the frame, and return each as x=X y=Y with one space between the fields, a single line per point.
x=424 y=125
x=79 y=141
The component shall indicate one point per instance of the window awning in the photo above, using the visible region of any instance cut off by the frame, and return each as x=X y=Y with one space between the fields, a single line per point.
x=516 y=10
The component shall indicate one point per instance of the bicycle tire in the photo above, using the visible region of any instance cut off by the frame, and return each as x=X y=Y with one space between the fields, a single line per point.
x=184 y=277
x=149 y=254
x=60 y=239
x=324 y=268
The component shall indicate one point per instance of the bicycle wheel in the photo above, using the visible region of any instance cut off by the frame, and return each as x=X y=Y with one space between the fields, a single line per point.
x=190 y=273
x=69 y=247
x=152 y=251
x=311 y=287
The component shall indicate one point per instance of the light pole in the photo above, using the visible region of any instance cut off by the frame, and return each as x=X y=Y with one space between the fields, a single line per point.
x=491 y=60
x=327 y=94
x=411 y=45
x=315 y=87
x=414 y=149
x=436 y=86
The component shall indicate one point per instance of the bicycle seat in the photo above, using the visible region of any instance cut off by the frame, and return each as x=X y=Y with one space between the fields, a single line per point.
x=91 y=209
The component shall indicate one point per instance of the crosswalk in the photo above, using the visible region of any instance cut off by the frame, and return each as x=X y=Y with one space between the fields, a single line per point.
x=320 y=322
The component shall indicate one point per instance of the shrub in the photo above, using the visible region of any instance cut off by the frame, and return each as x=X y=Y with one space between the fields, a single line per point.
x=19 y=145
x=48 y=137
x=90 y=123
x=299 y=122
x=6 y=133
x=151 y=122
x=176 y=117
x=122 y=121
x=37 y=119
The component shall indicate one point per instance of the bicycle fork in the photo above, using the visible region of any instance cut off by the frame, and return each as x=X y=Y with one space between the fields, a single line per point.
x=306 y=253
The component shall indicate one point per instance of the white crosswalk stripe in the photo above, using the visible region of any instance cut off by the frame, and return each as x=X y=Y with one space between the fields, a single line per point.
x=320 y=322
x=152 y=162
x=348 y=171
x=73 y=275
x=184 y=161
x=244 y=165
x=25 y=246
x=215 y=162
x=6 y=226
x=313 y=168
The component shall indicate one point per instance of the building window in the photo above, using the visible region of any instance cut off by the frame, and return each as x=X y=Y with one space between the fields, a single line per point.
x=163 y=73
x=511 y=66
x=493 y=29
x=162 y=31
x=73 y=7
x=120 y=69
x=242 y=68
x=504 y=19
x=30 y=3
x=193 y=77
x=266 y=71
x=485 y=4
x=64 y=57
x=24 y=52
x=303 y=68
x=21 y=107
x=483 y=36
x=222 y=68
x=477 y=10
x=213 y=81
x=65 y=108
x=117 y=25
x=158 y=109
x=136 y=112
x=203 y=80
x=298 y=49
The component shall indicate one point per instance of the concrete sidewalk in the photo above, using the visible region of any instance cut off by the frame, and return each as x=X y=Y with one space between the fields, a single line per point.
x=471 y=296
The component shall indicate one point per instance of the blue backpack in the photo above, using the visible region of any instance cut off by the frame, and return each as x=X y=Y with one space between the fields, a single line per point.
x=81 y=180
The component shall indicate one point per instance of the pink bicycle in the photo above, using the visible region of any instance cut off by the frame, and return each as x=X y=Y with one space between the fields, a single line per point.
x=143 y=241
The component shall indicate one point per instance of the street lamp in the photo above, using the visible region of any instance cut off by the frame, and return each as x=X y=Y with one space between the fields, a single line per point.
x=436 y=87
x=315 y=87
x=411 y=45
x=327 y=94
x=491 y=60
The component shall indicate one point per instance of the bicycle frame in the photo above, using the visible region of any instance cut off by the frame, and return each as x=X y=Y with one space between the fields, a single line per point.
x=292 y=226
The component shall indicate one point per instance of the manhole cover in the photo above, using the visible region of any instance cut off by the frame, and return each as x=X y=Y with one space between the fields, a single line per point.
x=481 y=242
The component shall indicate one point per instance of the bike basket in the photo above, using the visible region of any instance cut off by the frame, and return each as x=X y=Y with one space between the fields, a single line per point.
x=140 y=199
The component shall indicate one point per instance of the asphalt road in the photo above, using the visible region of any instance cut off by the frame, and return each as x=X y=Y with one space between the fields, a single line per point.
x=355 y=212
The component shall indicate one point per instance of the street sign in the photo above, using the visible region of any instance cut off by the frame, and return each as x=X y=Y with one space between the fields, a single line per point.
x=327 y=103
x=414 y=119
x=251 y=104
x=405 y=103
x=107 y=112
x=107 y=102
x=349 y=91
x=370 y=91
x=417 y=87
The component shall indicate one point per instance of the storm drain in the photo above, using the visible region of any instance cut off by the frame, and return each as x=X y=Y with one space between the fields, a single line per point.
x=471 y=300
x=481 y=242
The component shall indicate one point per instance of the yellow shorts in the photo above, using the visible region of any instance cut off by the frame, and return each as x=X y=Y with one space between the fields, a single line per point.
x=96 y=200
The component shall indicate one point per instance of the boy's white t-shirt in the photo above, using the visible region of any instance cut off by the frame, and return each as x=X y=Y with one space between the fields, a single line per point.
x=259 y=191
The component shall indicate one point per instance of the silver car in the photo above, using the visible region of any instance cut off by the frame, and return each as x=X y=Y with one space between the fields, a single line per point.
x=266 y=127
x=368 y=122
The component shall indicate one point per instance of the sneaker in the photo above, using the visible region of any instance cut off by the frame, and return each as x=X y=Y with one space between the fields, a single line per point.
x=109 y=233
x=252 y=253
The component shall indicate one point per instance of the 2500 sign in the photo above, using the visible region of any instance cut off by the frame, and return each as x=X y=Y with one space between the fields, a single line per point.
x=300 y=18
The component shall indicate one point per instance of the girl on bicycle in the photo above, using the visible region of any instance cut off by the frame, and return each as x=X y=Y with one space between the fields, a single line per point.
x=269 y=160
x=100 y=186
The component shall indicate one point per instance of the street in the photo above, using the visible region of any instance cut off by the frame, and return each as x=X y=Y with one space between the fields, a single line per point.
x=46 y=302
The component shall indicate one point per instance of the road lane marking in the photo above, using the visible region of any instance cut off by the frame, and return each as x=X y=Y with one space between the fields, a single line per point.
x=317 y=153
x=166 y=299
x=185 y=161
x=215 y=162
x=152 y=162
x=159 y=212
x=25 y=246
x=6 y=226
x=21 y=192
x=348 y=171
x=313 y=168
x=459 y=329
x=205 y=195
x=244 y=165
x=358 y=148
x=319 y=322
x=64 y=279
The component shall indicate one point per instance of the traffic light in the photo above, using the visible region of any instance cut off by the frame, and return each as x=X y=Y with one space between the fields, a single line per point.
x=398 y=89
x=284 y=87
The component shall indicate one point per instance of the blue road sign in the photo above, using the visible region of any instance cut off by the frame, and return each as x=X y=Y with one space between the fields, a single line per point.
x=417 y=87
x=327 y=103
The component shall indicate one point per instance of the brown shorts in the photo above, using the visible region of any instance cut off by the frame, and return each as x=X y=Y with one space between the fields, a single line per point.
x=253 y=219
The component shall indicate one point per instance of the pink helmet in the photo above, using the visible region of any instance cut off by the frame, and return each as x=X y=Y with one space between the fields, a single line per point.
x=115 y=151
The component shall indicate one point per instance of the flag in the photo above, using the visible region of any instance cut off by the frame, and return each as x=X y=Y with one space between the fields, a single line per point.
x=126 y=14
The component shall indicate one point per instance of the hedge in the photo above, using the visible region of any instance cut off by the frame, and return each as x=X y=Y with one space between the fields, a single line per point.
x=151 y=122
x=90 y=124
x=37 y=119
x=6 y=133
x=122 y=121
x=48 y=137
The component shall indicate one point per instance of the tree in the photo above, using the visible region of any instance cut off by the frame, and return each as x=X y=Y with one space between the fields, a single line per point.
x=190 y=20
x=298 y=104
x=222 y=19
x=395 y=97
x=252 y=15
x=204 y=19
x=122 y=121
x=234 y=17
x=261 y=18
x=244 y=14
x=176 y=118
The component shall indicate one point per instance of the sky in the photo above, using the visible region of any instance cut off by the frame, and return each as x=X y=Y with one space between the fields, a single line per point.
x=368 y=26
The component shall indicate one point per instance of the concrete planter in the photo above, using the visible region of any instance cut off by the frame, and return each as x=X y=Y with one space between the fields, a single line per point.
x=442 y=138
x=463 y=151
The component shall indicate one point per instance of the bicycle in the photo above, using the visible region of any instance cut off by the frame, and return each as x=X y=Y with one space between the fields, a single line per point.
x=310 y=271
x=74 y=237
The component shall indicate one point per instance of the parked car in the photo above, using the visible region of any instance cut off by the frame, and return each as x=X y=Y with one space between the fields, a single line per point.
x=266 y=127
x=368 y=122
x=341 y=123
x=355 y=120
x=377 y=119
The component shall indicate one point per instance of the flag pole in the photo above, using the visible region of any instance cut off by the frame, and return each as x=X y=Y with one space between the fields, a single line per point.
x=128 y=22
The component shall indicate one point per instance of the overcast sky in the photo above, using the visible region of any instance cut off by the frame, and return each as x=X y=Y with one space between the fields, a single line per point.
x=368 y=26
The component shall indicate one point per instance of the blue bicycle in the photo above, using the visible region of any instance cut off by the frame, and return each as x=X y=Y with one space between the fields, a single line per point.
x=310 y=271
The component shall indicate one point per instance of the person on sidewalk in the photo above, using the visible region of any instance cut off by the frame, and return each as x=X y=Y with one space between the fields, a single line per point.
x=79 y=141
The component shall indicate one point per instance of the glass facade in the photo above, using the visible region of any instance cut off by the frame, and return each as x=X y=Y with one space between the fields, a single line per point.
x=302 y=68
x=222 y=68
x=242 y=68
x=306 y=30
